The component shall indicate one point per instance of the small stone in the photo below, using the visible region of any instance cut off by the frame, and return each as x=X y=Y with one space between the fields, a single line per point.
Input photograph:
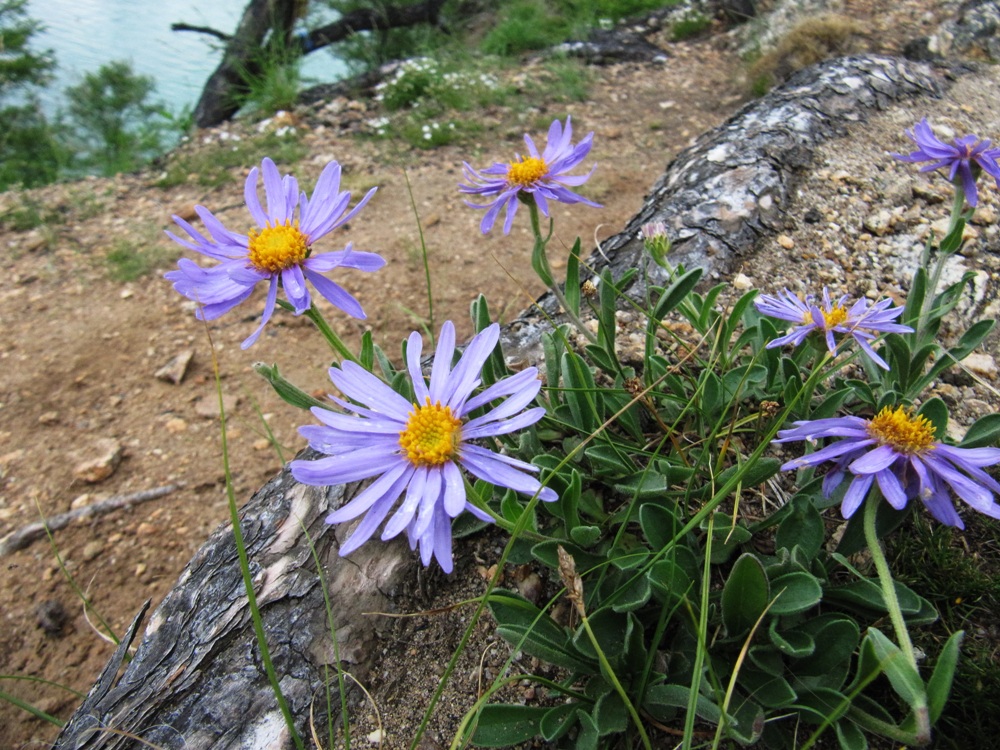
x=186 y=212
x=208 y=408
x=785 y=241
x=80 y=501
x=140 y=569
x=146 y=529
x=878 y=223
x=106 y=455
x=175 y=370
x=126 y=293
x=92 y=550
x=982 y=365
x=985 y=215
x=742 y=282
x=261 y=444
x=176 y=425
x=49 y=417
x=928 y=193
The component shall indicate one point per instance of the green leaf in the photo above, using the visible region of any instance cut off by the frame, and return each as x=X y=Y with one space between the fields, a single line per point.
x=579 y=393
x=936 y=411
x=659 y=525
x=984 y=432
x=850 y=736
x=288 y=393
x=939 y=685
x=767 y=659
x=753 y=474
x=551 y=354
x=769 y=690
x=585 y=536
x=674 y=578
x=915 y=299
x=662 y=702
x=711 y=393
x=836 y=639
x=821 y=704
x=588 y=737
x=611 y=631
x=902 y=675
x=867 y=595
x=523 y=625
x=791 y=642
x=558 y=721
x=795 y=592
x=643 y=485
x=573 y=278
x=547 y=554
x=502 y=724
x=610 y=714
x=747 y=723
x=676 y=293
x=600 y=357
x=803 y=526
x=635 y=595
x=744 y=595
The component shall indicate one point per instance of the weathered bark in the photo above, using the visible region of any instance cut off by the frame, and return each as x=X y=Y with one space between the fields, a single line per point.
x=220 y=98
x=196 y=681
x=272 y=20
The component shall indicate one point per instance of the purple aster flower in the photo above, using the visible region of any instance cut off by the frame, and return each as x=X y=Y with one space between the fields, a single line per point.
x=419 y=447
x=963 y=159
x=279 y=250
x=859 y=321
x=538 y=177
x=898 y=451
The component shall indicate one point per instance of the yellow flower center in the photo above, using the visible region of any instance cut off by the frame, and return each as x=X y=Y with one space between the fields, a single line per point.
x=905 y=433
x=273 y=249
x=834 y=317
x=527 y=171
x=432 y=434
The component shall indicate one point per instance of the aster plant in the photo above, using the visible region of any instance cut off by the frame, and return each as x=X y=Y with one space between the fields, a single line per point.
x=858 y=320
x=420 y=448
x=895 y=456
x=278 y=251
x=964 y=158
x=535 y=180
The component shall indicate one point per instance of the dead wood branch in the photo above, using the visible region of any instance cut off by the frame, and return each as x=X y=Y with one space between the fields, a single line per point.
x=33 y=531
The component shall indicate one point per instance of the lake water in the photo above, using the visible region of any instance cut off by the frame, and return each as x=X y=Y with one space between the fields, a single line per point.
x=85 y=34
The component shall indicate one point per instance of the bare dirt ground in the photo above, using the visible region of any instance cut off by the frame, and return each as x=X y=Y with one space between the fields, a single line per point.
x=80 y=351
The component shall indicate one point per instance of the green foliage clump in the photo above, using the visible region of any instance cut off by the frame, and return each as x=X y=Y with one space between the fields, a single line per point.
x=272 y=80
x=213 y=165
x=689 y=24
x=129 y=260
x=114 y=125
x=29 y=153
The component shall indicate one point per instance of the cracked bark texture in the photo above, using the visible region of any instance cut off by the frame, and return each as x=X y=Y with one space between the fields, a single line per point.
x=196 y=680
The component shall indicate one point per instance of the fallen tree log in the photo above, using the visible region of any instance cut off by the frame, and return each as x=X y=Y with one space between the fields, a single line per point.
x=196 y=680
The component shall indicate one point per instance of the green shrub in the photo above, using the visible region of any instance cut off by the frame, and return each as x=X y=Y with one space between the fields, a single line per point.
x=114 y=125
x=29 y=154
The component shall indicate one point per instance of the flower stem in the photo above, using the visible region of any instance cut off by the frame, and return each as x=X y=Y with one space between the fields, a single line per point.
x=920 y=710
x=885 y=576
x=329 y=334
x=540 y=262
